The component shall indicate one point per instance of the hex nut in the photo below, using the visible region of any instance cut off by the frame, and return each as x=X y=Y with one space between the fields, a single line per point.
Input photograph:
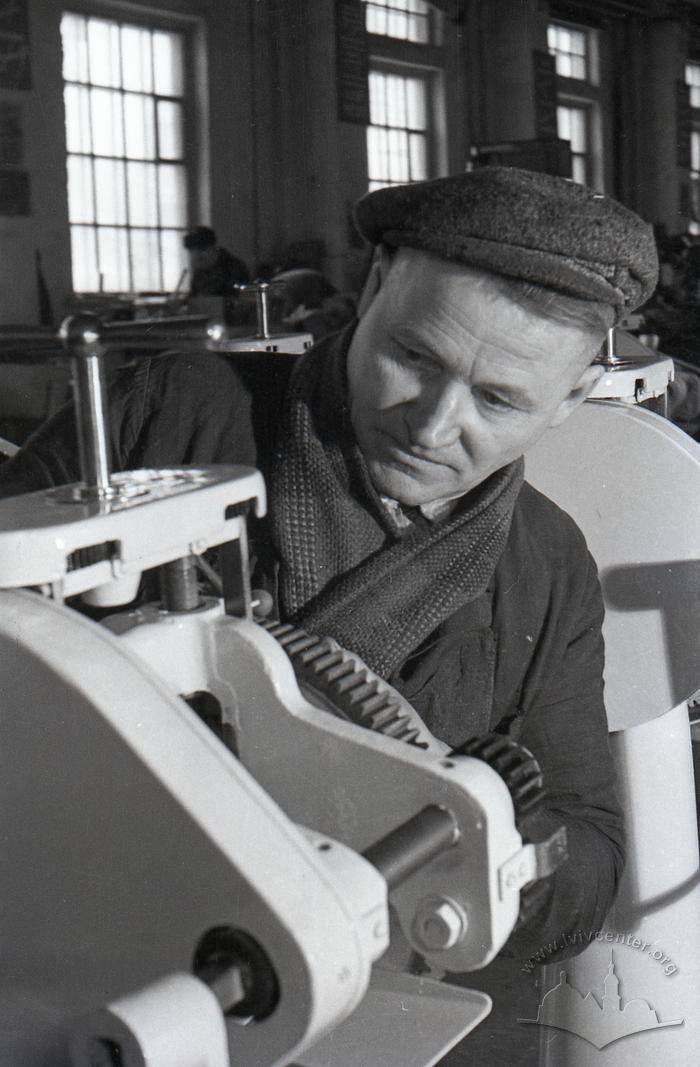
x=439 y=923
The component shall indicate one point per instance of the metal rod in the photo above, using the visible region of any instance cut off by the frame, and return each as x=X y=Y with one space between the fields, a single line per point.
x=178 y=583
x=80 y=335
x=262 y=311
x=413 y=844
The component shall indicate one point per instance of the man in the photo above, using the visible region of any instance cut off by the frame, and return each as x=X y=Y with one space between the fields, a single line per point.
x=399 y=521
x=213 y=270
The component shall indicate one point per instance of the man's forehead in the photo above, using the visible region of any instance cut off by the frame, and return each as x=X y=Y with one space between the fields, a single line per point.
x=429 y=297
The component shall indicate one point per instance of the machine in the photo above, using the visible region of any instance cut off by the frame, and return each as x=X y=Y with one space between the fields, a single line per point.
x=225 y=843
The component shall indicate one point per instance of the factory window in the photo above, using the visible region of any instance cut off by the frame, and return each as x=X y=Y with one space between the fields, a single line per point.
x=406 y=135
x=575 y=49
x=397 y=139
x=692 y=77
x=409 y=20
x=127 y=183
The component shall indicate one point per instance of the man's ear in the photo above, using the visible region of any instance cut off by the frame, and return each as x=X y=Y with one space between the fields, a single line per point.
x=381 y=261
x=578 y=394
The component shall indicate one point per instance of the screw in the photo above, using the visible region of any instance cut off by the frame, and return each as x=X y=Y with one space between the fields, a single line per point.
x=439 y=923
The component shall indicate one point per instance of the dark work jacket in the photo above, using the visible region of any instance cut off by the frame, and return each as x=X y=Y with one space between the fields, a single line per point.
x=525 y=658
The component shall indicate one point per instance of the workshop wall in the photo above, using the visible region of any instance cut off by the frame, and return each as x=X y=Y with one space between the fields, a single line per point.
x=275 y=164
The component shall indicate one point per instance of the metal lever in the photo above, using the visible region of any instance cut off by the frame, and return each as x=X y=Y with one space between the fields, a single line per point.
x=81 y=336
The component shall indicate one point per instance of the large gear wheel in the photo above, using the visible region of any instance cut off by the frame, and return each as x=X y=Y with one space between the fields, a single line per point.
x=338 y=681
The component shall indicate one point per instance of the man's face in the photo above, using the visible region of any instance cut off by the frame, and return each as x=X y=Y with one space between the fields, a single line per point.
x=450 y=379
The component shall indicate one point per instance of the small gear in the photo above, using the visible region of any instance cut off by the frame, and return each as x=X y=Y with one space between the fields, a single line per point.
x=339 y=682
x=522 y=774
x=516 y=765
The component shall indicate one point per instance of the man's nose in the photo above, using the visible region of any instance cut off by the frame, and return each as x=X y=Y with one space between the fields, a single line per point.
x=435 y=418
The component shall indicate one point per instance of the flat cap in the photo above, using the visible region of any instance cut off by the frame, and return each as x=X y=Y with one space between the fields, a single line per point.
x=536 y=227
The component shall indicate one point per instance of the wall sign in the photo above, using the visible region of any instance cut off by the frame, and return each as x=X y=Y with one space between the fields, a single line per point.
x=15 y=70
x=11 y=143
x=545 y=86
x=352 y=62
x=14 y=192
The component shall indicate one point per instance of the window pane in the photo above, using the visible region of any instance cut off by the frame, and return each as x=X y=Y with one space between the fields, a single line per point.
x=136 y=59
x=377 y=99
x=407 y=20
x=396 y=101
x=578 y=130
x=695 y=150
x=578 y=169
x=168 y=65
x=170 y=139
x=418 y=156
x=81 y=204
x=692 y=77
x=106 y=118
x=174 y=258
x=83 y=253
x=416 y=103
x=143 y=194
x=398 y=156
x=113 y=256
x=77 y=105
x=103 y=44
x=376 y=148
x=145 y=259
x=571 y=49
x=398 y=25
x=75 y=55
x=139 y=126
x=564 y=123
x=110 y=191
x=171 y=185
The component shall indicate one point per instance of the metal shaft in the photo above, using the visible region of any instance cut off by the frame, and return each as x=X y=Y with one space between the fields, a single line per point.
x=261 y=303
x=91 y=417
x=413 y=844
x=179 y=589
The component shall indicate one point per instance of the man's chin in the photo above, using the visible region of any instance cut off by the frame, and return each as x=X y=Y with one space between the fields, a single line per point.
x=403 y=487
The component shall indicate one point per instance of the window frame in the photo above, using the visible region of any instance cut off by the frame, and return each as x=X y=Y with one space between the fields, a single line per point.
x=693 y=173
x=188 y=27
x=427 y=62
x=585 y=94
x=433 y=22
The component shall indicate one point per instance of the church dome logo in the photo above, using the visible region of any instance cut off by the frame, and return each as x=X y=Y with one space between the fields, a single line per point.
x=599 y=1023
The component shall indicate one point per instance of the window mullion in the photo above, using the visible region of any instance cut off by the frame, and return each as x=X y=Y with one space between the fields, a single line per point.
x=122 y=98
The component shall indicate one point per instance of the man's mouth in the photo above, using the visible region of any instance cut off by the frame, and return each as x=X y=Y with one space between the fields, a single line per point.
x=407 y=455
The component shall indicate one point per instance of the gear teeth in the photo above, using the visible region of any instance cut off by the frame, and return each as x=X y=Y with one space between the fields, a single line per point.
x=311 y=654
x=278 y=629
x=343 y=672
x=375 y=704
x=330 y=660
x=382 y=718
x=352 y=690
x=516 y=765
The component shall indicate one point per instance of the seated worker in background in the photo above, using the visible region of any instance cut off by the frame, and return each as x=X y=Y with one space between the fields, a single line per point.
x=399 y=522
x=213 y=270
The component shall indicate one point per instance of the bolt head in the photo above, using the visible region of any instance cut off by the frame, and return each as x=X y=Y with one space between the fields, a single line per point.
x=439 y=924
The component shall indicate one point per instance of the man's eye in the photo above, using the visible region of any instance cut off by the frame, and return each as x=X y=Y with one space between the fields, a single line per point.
x=494 y=401
x=417 y=359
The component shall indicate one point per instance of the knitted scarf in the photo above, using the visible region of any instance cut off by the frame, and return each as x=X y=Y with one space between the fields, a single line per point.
x=345 y=570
